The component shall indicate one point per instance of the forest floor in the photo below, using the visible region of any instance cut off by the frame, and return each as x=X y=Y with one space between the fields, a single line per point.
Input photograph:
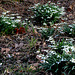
x=19 y=52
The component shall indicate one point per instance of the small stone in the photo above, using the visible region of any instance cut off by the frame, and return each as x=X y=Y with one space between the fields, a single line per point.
x=70 y=16
x=16 y=45
x=18 y=61
x=20 y=45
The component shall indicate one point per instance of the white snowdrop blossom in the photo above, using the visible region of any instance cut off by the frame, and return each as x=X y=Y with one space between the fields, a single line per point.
x=72 y=60
x=12 y=14
x=8 y=22
x=12 y=17
x=4 y=13
x=18 y=17
x=13 y=25
x=44 y=24
x=32 y=16
x=0 y=64
x=24 y=23
x=37 y=4
x=42 y=10
x=6 y=17
x=26 y=19
x=9 y=55
x=37 y=51
x=4 y=20
x=71 y=29
x=7 y=11
x=17 y=20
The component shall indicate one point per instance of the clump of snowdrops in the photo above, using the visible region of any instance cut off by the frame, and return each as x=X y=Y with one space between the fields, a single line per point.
x=8 y=23
x=47 y=14
x=61 y=59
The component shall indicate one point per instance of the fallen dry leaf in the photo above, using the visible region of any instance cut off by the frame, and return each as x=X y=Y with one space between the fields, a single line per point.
x=5 y=49
x=32 y=67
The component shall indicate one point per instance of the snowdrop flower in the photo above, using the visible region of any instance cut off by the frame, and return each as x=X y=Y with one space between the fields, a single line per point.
x=55 y=11
x=50 y=38
x=66 y=46
x=61 y=32
x=26 y=19
x=44 y=24
x=58 y=56
x=29 y=21
x=48 y=17
x=71 y=39
x=0 y=64
x=32 y=16
x=52 y=52
x=52 y=46
x=42 y=10
x=8 y=22
x=24 y=23
x=46 y=51
x=53 y=3
x=55 y=6
x=48 y=11
x=49 y=1
x=2 y=16
x=73 y=21
x=37 y=51
x=16 y=14
x=12 y=17
x=72 y=60
x=6 y=17
x=17 y=21
x=71 y=29
x=13 y=26
x=54 y=26
x=39 y=56
x=62 y=59
x=62 y=13
x=55 y=48
x=7 y=11
x=12 y=14
x=18 y=17
x=37 y=4
x=73 y=48
x=4 y=13
x=70 y=25
x=4 y=20
x=62 y=8
x=43 y=57
x=9 y=56
x=43 y=61
x=49 y=8
x=57 y=62
x=42 y=17
x=59 y=27
x=53 y=42
x=70 y=33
